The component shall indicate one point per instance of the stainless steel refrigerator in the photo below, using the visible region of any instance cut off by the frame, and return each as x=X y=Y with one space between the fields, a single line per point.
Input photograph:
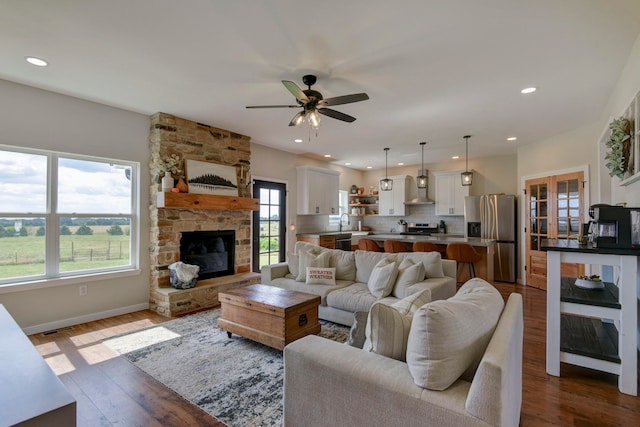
x=493 y=216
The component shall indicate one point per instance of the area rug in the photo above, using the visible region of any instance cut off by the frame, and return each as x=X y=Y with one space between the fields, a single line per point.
x=236 y=380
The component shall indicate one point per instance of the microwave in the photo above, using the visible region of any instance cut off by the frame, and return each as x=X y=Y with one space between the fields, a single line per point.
x=616 y=227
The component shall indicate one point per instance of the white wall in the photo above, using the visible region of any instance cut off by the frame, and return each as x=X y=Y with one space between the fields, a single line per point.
x=39 y=119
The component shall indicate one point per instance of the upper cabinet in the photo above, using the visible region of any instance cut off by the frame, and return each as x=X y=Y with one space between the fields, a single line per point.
x=450 y=193
x=318 y=191
x=392 y=202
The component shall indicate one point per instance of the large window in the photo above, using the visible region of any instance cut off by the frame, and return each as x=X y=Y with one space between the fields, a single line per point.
x=64 y=215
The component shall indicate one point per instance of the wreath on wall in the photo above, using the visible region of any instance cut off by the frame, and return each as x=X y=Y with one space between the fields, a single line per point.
x=619 y=145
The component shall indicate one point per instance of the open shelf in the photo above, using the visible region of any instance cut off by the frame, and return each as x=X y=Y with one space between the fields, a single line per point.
x=606 y=297
x=589 y=337
x=205 y=201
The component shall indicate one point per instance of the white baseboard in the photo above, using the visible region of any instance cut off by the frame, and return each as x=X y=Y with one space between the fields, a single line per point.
x=36 y=329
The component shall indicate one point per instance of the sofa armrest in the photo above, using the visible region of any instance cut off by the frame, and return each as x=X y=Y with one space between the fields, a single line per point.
x=328 y=384
x=496 y=391
x=273 y=271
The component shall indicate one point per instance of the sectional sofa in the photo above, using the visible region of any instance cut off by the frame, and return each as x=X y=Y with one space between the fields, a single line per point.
x=350 y=282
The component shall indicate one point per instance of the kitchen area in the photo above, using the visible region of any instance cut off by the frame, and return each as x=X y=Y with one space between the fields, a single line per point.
x=488 y=223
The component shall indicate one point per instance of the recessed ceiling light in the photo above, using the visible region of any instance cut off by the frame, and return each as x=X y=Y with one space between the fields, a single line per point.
x=327 y=155
x=348 y=164
x=369 y=167
x=511 y=138
x=400 y=164
x=455 y=157
x=36 y=61
x=297 y=140
x=528 y=90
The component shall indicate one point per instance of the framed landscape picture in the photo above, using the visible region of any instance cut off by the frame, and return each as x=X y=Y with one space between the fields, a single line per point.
x=211 y=178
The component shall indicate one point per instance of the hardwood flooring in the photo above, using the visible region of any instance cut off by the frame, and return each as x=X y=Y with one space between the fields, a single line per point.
x=111 y=391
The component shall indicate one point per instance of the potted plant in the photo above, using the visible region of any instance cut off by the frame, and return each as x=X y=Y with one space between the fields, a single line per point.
x=619 y=147
x=165 y=168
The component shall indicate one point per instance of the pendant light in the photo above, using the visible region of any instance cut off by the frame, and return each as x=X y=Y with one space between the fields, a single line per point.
x=386 y=184
x=422 y=178
x=467 y=177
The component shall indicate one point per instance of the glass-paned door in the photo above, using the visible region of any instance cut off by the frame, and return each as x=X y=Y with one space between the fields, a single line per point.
x=554 y=211
x=269 y=226
x=537 y=200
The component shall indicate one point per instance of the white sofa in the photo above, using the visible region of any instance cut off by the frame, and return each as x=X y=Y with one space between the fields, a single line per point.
x=353 y=272
x=332 y=384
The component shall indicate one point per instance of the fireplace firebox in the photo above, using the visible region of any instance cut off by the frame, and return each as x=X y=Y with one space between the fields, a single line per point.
x=213 y=251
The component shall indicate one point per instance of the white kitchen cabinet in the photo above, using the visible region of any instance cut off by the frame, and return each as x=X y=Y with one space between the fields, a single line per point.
x=450 y=193
x=318 y=191
x=392 y=202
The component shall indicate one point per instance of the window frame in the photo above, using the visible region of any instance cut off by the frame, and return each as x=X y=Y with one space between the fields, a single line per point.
x=52 y=275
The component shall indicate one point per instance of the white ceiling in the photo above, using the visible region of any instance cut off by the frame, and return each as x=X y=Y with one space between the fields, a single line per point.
x=434 y=70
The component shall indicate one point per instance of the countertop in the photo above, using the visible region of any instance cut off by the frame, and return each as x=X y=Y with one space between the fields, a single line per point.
x=440 y=239
x=574 y=246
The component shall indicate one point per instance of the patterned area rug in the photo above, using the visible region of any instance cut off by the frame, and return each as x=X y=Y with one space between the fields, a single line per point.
x=236 y=380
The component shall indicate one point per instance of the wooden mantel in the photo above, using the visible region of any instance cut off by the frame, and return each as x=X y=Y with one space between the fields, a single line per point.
x=205 y=201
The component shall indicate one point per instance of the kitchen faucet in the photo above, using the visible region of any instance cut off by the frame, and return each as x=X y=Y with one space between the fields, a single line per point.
x=340 y=222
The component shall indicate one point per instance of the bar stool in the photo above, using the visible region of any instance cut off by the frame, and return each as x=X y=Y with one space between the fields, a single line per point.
x=369 y=245
x=464 y=253
x=395 y=246
x=425 y=247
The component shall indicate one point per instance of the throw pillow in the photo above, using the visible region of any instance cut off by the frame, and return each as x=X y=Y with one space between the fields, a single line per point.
x=449 y=337
x=308 y=259
x=382 y=278
x=293 y=261
x=409 y=273
x=387 y=327
x=432 y=262
x=321 y=276
x=357 y=331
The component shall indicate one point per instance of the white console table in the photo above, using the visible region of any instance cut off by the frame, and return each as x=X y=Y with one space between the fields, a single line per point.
x=571 y=311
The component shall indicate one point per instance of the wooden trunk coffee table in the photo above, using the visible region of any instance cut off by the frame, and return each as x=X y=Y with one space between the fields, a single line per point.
x=269 y=315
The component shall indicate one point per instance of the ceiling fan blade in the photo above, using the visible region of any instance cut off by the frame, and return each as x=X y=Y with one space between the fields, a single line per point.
x=295 y=91
x=345 y=99
x=336 y=114
x=272 y=106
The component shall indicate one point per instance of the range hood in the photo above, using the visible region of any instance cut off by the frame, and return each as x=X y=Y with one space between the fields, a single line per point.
x=422 y=198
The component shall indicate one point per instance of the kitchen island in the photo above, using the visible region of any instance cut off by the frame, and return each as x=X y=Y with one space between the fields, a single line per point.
x=484 y=267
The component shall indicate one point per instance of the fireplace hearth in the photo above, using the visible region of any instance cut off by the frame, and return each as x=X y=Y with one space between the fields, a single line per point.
x=212 y=251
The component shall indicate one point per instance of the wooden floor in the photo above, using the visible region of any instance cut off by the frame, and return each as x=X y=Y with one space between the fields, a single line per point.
x=111 y=391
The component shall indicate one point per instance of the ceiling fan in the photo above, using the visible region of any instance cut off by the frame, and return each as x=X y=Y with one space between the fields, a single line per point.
x=312 y=103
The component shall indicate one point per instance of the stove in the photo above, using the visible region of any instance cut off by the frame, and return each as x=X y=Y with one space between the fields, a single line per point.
x=421 y=229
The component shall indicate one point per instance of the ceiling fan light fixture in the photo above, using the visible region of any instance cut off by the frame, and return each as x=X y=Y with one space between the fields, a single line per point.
x=422 y=179
x=467 y=176
x=386 y=184
x=297 y=119
x=314 y=119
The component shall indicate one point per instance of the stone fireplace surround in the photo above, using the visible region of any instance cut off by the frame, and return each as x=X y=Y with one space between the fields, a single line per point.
x=172 y=135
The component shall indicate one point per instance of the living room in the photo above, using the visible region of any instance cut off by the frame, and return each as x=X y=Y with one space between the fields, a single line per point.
x=36 y=118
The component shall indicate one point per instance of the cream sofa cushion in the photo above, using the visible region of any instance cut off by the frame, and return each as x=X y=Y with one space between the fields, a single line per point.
x=388 y=326
x=432 y=262
x=309 y=259
x=449 y=337
x=342 y=261
x=409 y=273
x=382 y=278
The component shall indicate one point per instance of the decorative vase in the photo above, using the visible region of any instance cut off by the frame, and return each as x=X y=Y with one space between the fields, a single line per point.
x=167 y=182
x=182 y=186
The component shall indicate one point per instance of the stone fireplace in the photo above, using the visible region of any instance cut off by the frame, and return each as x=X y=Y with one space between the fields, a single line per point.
x=169 y=225
x=212 y=251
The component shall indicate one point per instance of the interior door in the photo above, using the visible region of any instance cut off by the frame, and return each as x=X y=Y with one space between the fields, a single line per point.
x=554 y=211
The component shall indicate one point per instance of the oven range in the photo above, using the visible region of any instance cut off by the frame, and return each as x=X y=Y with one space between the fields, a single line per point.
x=422 y=229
